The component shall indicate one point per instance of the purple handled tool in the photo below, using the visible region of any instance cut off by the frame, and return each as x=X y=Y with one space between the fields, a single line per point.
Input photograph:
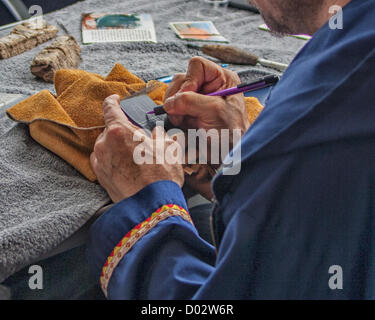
x=245 y=87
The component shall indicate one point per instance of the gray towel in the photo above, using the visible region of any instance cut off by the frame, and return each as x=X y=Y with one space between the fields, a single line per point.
x=42 y=199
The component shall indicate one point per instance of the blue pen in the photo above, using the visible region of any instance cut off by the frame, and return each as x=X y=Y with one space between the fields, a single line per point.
x=168 y=79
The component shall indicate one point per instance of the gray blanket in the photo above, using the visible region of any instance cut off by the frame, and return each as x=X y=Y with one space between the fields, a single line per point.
x=42 y=199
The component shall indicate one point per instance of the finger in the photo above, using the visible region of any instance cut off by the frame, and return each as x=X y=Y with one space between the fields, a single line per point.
x=100 y=175
x=112 y=112
x=172 y=89
x=101 y=135
x=179 y=137
x=175 y=85
x=158 y=131
x=176 y=120
x=194 y=105
x=203 y=76
x=191 y=123
x=232 y=78
x=102 y=157
x=93 y=162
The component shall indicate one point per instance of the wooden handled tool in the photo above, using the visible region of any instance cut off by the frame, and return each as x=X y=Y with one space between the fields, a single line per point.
x=231 y=54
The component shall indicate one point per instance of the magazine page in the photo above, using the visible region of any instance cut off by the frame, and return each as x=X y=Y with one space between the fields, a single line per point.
x=101 y=27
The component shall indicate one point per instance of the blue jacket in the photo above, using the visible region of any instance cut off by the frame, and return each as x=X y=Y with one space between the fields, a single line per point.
x=297 y=222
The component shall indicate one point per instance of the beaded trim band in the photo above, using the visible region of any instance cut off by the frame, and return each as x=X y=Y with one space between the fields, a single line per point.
x=134 y=235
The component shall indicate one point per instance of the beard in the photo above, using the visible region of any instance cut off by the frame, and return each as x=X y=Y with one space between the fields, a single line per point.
x=291 y=16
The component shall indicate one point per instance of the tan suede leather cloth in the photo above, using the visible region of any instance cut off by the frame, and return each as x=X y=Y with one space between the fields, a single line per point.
x=69 y=123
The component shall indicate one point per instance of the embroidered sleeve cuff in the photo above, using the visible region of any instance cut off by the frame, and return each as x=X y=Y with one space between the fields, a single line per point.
x=127 y=215
x=127 y=242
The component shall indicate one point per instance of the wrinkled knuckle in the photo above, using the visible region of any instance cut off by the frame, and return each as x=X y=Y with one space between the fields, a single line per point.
x=184 y=98
x=106 y=105
x=115 y=131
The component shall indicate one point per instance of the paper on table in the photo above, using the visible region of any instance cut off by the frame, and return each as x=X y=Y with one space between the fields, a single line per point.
x=101 y=27
x=197 y=30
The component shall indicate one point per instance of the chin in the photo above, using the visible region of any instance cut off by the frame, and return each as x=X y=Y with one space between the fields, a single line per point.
x=276 y=27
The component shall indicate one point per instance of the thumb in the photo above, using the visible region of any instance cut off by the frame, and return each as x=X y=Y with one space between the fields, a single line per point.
x=112 y=112
x=193 y=104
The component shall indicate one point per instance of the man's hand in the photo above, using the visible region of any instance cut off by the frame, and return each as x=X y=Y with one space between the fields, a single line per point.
x=112 y=159
x=189 y=108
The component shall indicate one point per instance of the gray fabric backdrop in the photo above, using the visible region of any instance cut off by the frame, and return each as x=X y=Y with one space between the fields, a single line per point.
x=42 y=199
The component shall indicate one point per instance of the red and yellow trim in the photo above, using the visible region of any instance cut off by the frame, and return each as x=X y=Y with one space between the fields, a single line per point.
x=134 y=235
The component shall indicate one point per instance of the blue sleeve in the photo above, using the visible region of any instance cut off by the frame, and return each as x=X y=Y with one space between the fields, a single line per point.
x=170 y=261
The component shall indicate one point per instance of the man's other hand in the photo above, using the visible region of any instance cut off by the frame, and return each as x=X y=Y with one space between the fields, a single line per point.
x=189 y=108
x=112 y=159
